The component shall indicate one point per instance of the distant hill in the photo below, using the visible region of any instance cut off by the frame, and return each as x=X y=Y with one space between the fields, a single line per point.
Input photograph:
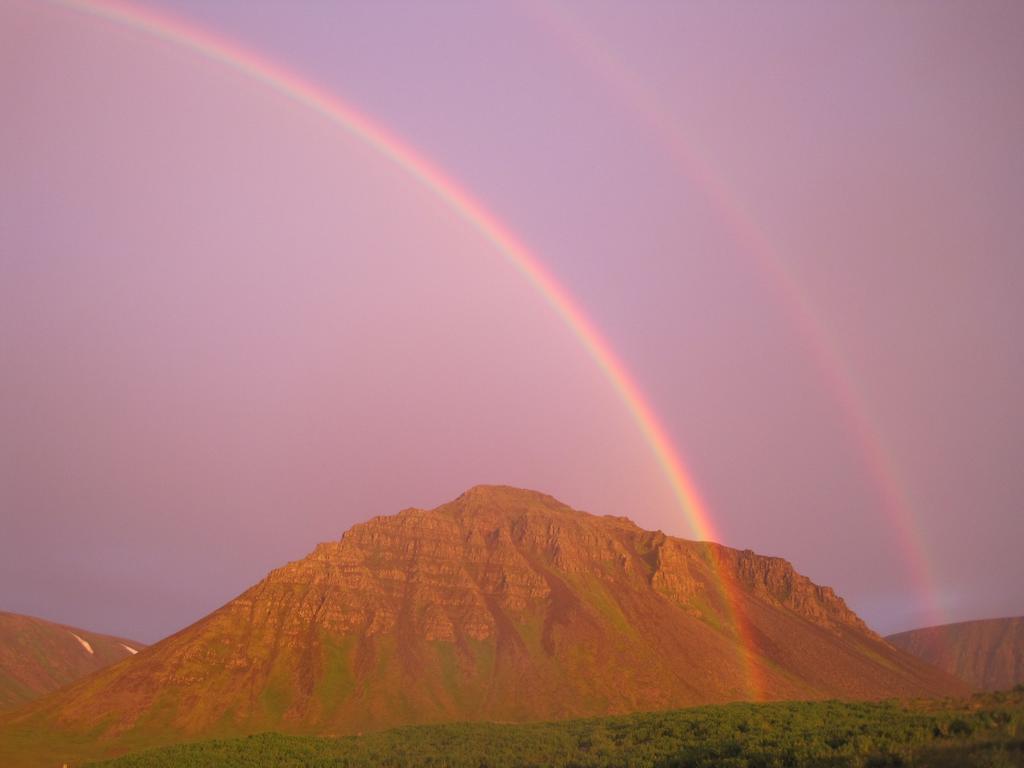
x=38 y=656
x=502 y=605
x=988 y=654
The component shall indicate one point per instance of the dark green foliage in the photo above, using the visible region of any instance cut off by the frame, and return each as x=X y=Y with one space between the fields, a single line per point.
x=984 y=732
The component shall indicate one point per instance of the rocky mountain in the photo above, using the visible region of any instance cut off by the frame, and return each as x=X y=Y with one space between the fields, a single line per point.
x=988 y=654
x=38 y=656
x=501 y=605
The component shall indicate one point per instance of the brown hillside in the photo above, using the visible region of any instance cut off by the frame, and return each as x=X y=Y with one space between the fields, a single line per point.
x=988 y=654
x=501 y=605
x=38 y=656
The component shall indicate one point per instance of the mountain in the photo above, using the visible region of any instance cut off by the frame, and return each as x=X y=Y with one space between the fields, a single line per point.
x=38 y=656
x=988 y=654
x=502 y=605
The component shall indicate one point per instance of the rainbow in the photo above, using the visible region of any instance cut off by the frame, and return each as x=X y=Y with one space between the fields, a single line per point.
x=854 y=412
x=301 y=91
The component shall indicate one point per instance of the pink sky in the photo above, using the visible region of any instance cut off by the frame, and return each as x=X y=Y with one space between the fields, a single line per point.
x=230 y=330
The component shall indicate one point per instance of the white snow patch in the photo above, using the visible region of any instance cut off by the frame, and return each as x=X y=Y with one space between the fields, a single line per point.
x=128 y=648
x=84 y=643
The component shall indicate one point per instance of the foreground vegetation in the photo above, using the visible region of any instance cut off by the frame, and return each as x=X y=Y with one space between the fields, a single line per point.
x=985 y=731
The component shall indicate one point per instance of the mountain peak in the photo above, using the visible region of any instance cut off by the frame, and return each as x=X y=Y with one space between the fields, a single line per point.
x=489 y=503
x=503 y=604
x=505 y=499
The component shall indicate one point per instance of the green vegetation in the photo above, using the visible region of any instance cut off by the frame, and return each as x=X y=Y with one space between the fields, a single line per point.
x=986 y=731
x=337 y=681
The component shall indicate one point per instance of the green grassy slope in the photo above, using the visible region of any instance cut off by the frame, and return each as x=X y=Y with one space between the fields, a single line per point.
x=987 y=730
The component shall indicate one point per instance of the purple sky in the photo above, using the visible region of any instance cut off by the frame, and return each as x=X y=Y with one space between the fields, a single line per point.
x=229 y=330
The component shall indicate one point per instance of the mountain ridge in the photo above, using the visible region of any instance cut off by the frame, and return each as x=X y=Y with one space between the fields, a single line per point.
x=502 y=605
x=987 y=653
x=38 y=656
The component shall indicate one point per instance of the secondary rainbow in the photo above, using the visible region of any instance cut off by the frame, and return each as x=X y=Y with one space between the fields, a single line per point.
x=857 y=419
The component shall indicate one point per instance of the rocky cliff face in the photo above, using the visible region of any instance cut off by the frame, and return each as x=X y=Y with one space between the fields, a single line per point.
x=502 y=605
x=987 y=654
x=39 y=656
